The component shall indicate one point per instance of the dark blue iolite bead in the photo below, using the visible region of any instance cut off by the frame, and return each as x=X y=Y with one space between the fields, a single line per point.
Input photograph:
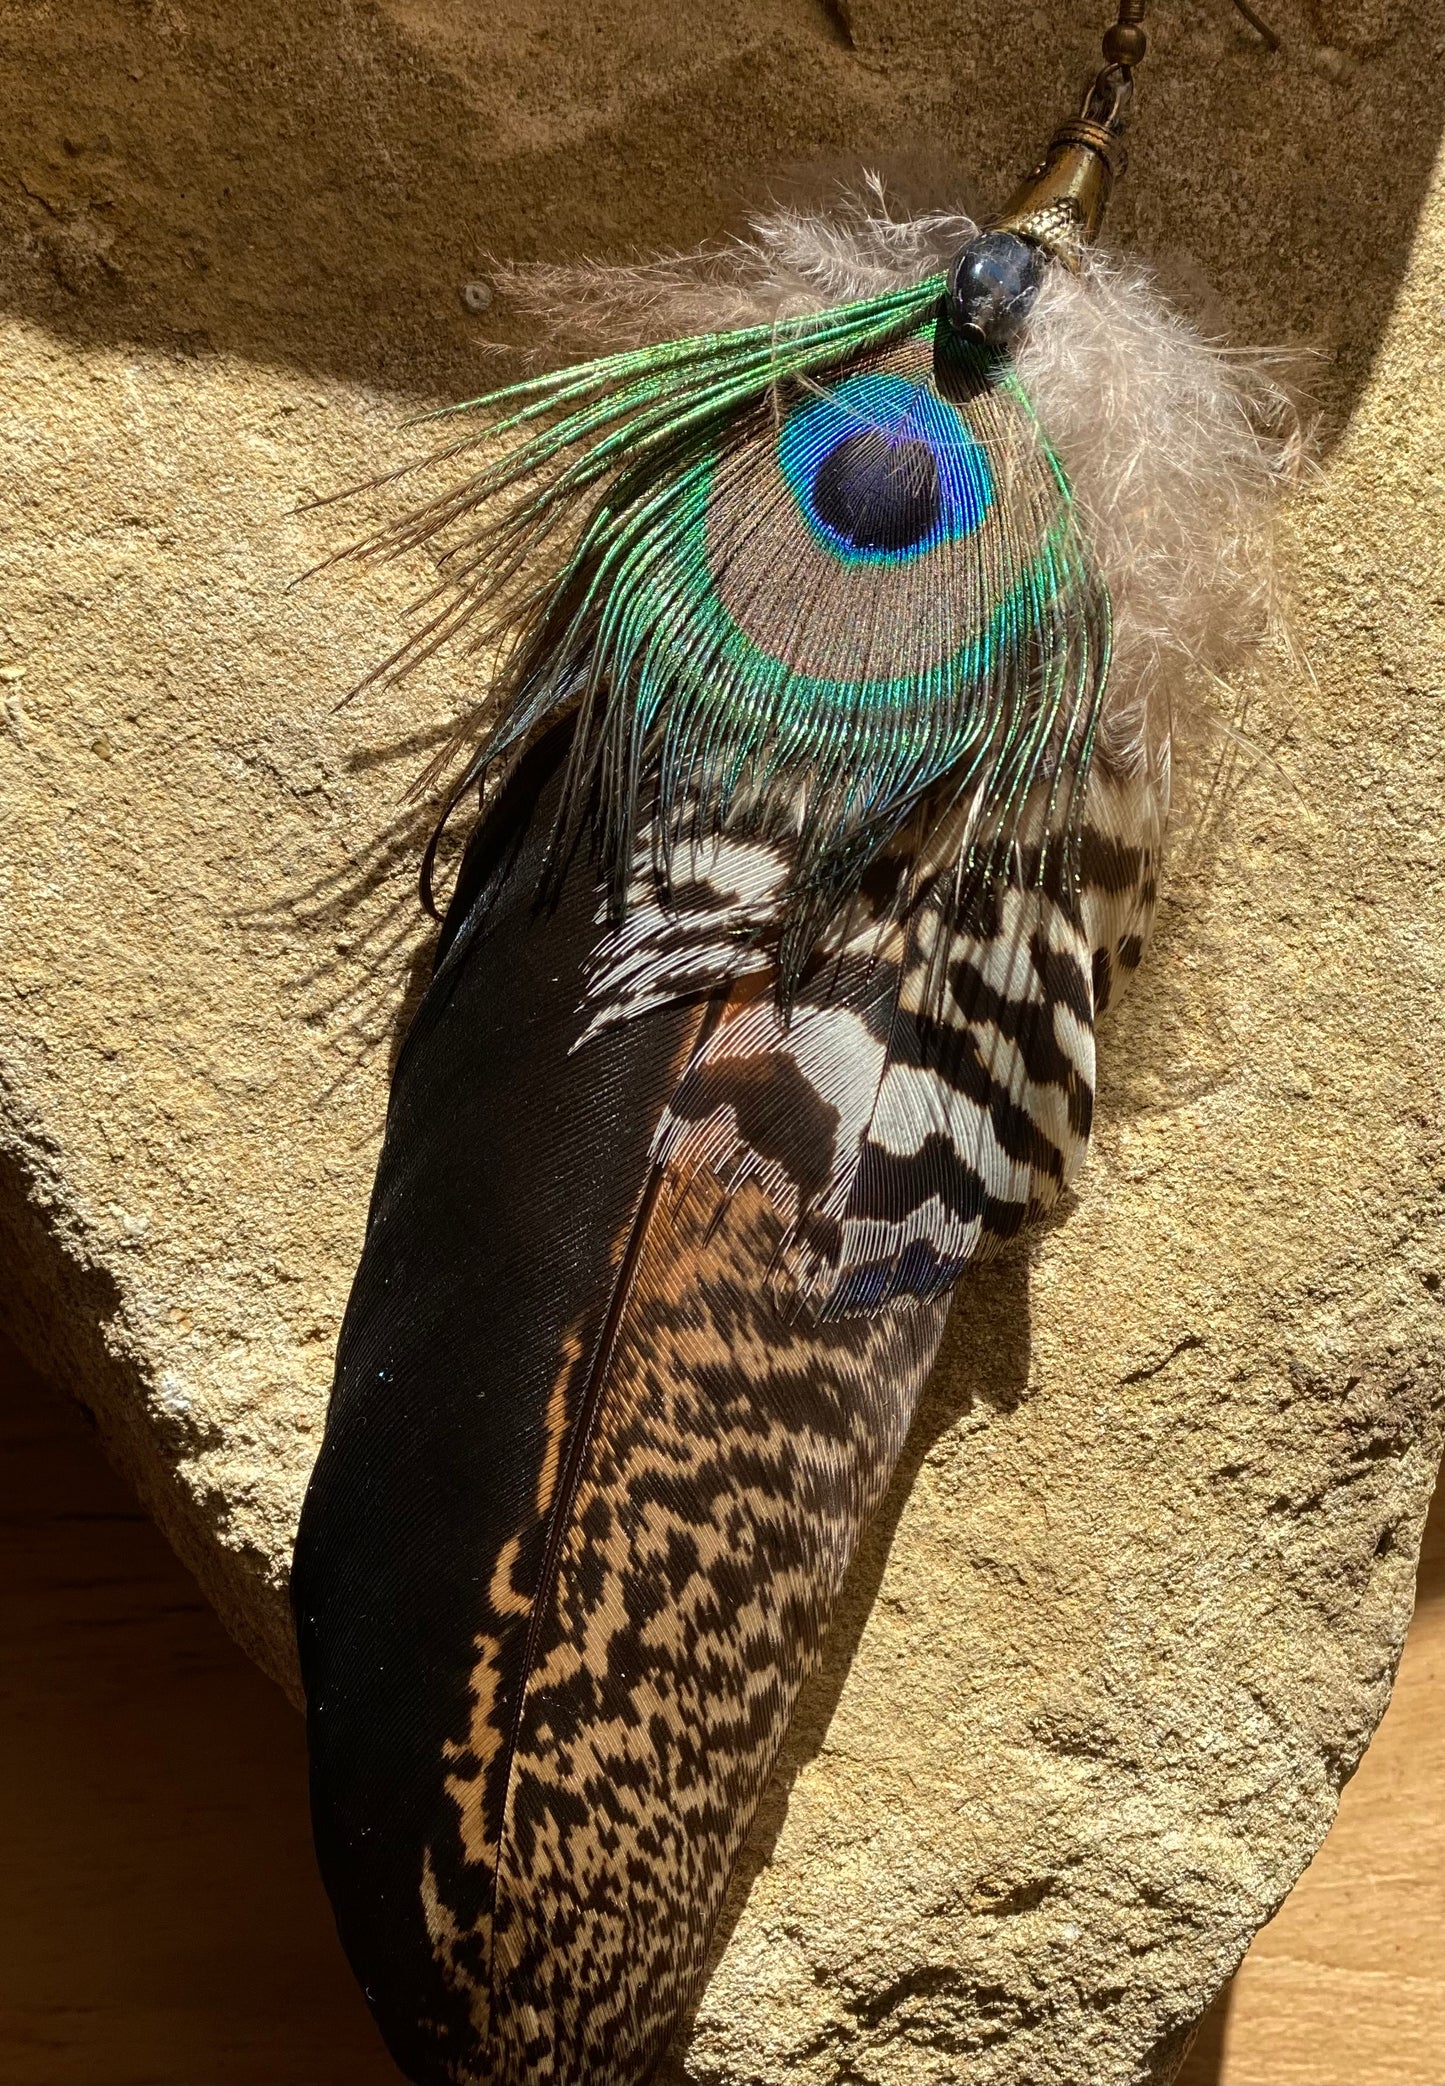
x=991 y=287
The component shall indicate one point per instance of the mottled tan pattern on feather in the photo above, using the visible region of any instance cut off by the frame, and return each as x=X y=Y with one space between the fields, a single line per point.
x=730 y=1471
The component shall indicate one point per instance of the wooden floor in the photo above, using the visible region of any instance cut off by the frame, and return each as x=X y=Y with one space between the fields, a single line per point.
x=160 y=1919
x=160 y=1916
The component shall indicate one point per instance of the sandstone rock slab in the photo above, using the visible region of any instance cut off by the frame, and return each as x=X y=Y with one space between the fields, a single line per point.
x=1133 y=1608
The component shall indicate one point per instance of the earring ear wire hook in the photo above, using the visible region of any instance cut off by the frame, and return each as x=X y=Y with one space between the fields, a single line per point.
x=1125 y=43
x=1260 y=27
x=1061 y=206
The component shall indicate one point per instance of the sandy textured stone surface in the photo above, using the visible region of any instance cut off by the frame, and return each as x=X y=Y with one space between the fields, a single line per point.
x=1134 y=1606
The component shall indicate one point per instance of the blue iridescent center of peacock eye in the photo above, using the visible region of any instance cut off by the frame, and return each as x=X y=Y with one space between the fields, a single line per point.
x=884 y=469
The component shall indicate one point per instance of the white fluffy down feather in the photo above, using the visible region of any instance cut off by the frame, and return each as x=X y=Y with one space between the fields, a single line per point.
x=1177 y=450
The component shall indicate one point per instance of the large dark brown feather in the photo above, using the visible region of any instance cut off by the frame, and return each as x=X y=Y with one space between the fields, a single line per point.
x=588 y=1489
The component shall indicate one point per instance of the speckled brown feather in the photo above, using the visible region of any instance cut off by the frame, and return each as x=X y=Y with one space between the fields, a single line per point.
x=734 y=1456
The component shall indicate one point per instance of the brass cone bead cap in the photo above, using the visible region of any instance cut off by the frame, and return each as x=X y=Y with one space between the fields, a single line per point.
x=1061 y=205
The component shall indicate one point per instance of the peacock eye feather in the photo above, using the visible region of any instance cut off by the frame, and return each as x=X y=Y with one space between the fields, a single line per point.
x=814 y=574
x=844 y=602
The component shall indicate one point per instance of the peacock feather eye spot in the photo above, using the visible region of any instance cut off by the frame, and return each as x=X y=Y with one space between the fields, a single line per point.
x=884 y=469
x=878 y=492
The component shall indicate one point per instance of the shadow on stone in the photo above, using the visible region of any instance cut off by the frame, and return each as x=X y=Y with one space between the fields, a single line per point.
x=315 y=184
x=57 y=1304
x=1203 y=2060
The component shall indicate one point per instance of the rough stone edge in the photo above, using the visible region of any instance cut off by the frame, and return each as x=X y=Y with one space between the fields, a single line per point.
x=67 y=1316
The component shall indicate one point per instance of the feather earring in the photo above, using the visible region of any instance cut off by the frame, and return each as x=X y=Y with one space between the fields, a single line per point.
x=842 y=647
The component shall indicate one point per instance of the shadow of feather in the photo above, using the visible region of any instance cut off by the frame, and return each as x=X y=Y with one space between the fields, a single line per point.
x=366 y=944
